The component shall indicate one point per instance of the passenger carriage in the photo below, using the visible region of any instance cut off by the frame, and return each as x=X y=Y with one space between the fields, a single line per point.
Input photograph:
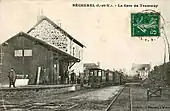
x=99 y=77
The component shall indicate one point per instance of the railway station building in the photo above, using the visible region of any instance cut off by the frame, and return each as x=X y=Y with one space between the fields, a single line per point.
x=46 y=54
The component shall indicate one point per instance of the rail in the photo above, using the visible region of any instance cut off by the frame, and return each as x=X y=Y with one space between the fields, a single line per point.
x=114 y=99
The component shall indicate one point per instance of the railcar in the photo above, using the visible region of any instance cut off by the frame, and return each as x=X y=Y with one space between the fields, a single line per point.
x=96 y=77
x=113 y=77
x=99 y=77
x=110 y=77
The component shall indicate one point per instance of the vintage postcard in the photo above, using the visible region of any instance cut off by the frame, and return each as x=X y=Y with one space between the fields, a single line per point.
x=84 y=55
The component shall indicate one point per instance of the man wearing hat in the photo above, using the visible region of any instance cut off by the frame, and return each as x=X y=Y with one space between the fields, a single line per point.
x=12 y=77
x=73 y=77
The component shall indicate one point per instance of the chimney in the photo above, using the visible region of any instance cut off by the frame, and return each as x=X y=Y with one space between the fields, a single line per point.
x=40 y=15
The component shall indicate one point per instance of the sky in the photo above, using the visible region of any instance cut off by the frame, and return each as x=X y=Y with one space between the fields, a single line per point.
x=106 y=32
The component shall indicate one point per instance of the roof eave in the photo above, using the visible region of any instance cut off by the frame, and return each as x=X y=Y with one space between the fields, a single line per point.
x=56 y=26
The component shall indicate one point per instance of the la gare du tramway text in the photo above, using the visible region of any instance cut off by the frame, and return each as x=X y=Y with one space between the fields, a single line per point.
x=111 y=5
x=137 y=5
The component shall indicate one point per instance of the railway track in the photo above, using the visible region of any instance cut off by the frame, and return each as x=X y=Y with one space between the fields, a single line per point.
x=127 y=99
x=114 y=99
x=96 y=101
x=135 y=99
x=52 y=102
x=49 y=102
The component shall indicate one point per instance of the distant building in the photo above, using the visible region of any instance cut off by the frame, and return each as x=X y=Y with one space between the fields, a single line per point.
x=91 y=65
x=46 y=53
x=141 y=69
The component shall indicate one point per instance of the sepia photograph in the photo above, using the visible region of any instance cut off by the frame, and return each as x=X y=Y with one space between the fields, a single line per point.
x=84 y=55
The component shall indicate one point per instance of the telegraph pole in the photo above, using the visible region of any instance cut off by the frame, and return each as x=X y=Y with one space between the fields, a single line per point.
x=164 y=50
x=166 y=39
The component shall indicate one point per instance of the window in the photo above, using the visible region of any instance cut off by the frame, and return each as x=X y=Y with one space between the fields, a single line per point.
x=18 y=53
x=95 y=72
x=99 y=73
x=55 y=65
x=91 y=73
x=27 y=52
x=73 y=51
x=79 y=54
x=110 y=74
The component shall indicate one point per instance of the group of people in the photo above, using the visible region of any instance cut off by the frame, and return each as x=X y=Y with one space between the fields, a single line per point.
x=12 y=77
x=74 y=79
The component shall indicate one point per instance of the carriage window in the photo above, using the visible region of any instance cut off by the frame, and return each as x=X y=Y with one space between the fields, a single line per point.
x=95 y=73
x=99 y=73
x=102 y=73
x=110 y=74
x=91 y=73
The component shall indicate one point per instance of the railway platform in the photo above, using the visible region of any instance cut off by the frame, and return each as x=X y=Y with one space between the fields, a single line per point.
x=48 y=98
x=33 y=90
x=31 y=87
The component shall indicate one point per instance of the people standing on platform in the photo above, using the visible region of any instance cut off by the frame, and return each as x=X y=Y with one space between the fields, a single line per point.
x=12 y=77
x=78 y=80
x=73 y=77
x=45 y=77
x=67 y=77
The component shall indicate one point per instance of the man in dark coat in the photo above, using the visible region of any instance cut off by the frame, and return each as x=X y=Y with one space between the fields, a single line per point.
x=72 y=77
x=12 y=77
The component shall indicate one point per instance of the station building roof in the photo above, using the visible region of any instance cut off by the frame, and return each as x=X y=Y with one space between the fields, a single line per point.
x=141 y=67
x=56 y=26
x=45 y=44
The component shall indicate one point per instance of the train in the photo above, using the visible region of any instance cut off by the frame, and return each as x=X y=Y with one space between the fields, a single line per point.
x=98 y=77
